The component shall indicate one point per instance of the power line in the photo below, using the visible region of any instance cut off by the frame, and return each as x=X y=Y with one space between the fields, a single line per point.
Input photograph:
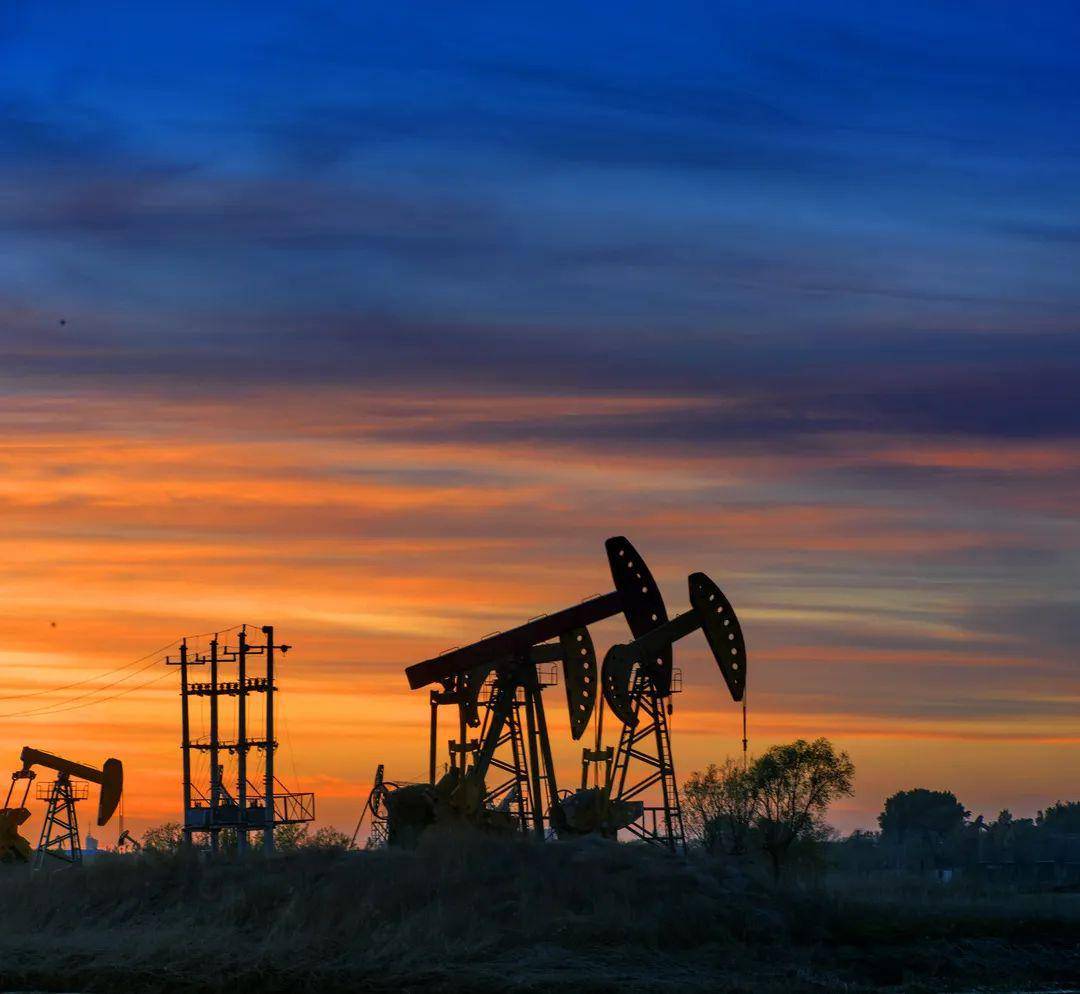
x=89 y=679
x=70 y=704
x=103 y=700
x=288 y=737
x=49 y=708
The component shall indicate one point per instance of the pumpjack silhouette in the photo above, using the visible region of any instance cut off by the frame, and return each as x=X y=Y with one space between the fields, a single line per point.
x=497 y=686
x=60 y=838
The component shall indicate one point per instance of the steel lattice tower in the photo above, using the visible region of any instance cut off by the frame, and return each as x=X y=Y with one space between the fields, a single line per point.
x=60 y=832
x=662 y=826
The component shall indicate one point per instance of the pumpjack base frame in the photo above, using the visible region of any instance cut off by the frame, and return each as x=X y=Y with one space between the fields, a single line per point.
x=513 y=729
x=60 y=832
x=647 y=743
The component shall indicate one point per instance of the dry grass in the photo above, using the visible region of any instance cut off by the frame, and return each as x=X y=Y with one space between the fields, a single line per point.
x=475 y=914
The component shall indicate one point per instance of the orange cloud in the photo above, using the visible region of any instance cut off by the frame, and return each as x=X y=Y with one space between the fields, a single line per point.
x=371 y=542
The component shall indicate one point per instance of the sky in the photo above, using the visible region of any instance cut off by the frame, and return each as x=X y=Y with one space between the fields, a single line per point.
x=372 y=322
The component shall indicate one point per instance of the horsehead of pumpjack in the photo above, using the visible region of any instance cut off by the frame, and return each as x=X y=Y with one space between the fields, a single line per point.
x=650 y=652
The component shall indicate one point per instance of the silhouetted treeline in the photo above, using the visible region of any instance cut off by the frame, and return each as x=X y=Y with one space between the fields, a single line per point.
x=774 y=809
x=930 y=831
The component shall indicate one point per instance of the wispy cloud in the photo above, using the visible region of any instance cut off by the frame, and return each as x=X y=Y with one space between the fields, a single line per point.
x=374 y=323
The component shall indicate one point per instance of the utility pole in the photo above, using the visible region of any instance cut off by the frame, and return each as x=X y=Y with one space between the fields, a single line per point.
x=184 y=662
x=241 y=742
x=250 y=808
x=268 y=801
x=215 y=761
x=185 y=735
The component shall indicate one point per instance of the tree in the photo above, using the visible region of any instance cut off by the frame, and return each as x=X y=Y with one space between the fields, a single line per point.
x=290 y=838
x=721 y=805
x=329 y=839
x=859 y=852
x=164 y=839
x=795 y=784
x=1060 y=818
x=1011 y=839
x=921 y=814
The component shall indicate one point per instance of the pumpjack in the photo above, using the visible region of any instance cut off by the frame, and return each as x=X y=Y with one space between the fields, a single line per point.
x=127 y=842
x=497 y=683
x=502 y=674
x=60 y=837
x=637 y=685
x=375 y=811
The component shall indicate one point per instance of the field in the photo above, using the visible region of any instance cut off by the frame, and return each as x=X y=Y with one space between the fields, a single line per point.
x=471 y=914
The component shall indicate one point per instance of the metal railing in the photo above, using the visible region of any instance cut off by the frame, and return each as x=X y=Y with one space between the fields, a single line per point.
x=79 y=790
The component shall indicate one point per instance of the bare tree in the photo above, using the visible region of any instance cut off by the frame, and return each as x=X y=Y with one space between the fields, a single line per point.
x=721 y=804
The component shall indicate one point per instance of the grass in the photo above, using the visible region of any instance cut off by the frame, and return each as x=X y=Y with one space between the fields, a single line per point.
x=466 y=913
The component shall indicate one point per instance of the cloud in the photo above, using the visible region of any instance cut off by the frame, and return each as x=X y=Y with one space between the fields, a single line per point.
x=375 y=324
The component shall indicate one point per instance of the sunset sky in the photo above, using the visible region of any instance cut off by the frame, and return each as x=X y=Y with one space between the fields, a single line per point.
x=374 y=325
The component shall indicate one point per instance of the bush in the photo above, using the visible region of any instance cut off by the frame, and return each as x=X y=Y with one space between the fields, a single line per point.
x=468 y=912
x=163 y=839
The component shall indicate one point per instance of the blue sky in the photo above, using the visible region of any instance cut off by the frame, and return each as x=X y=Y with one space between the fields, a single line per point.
x=741 y=176
x=790 y=288
x=746 y=199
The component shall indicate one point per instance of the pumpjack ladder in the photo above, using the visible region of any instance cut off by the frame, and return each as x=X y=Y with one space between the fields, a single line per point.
x=661 y=826
x=60 y=831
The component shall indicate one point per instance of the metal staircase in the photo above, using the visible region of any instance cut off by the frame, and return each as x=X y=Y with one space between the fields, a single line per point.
x=648 y=745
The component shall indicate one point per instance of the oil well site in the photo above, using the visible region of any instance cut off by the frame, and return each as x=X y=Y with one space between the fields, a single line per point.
x=500 y=870
x=489 y=751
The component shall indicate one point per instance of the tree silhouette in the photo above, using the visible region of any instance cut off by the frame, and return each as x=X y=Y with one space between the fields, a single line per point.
x=795 y=784
x=165 y=838
x=1060 y=818
x=721 y=804
x=921 y=814
x=290 y=838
